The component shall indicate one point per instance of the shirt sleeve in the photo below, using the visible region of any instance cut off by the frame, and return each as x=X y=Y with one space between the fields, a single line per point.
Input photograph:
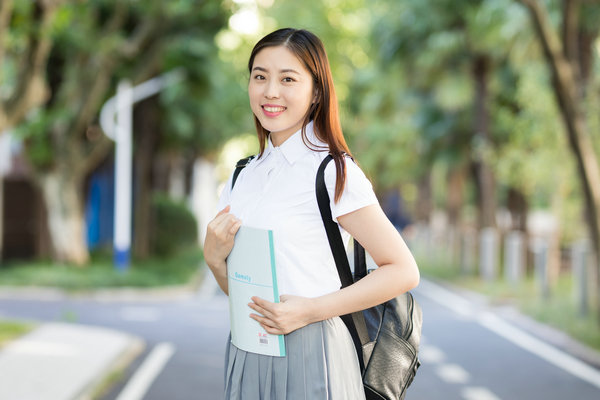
x=358 y=191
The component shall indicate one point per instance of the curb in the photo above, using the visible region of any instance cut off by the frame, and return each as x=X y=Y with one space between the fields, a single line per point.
x=62 y=361
x=101 y=383
x=106 y=295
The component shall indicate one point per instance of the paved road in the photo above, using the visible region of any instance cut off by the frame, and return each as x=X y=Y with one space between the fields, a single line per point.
x=467 y=353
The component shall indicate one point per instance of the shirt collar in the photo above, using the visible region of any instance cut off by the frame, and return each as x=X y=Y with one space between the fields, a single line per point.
x=294 y=148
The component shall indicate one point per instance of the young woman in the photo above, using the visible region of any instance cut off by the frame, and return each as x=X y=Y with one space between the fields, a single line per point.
x=296 y=115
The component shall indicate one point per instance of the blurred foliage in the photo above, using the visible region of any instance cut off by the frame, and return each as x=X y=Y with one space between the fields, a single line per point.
x=407 y=93
x=181 y=268
x=97 y=43
x=174 y=228
x=403 y=71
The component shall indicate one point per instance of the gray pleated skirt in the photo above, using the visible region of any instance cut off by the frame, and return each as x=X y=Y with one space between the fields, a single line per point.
x=321 y=363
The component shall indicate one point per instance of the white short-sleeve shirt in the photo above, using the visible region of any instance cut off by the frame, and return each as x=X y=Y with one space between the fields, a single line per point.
x=277 y=192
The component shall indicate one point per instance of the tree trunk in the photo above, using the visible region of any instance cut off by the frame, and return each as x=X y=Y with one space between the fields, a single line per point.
x=569 y=79
x=145 y=142
x=516 y=203
x=455 y=196
x=424 y=206
x=1 y=215
x=62 y=195
x=484 y=177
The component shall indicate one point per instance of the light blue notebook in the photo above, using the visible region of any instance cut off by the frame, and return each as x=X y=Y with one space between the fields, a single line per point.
x=251 y=272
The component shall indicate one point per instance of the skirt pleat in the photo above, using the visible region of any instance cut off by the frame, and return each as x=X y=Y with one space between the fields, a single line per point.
x=320 y=363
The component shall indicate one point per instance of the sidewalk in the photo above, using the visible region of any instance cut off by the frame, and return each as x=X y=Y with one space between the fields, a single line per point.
x=59 y=361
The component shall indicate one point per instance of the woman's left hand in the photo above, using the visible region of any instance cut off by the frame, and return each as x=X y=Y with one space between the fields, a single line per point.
x=291 y=313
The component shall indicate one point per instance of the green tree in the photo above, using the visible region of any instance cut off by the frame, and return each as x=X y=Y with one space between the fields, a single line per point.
x=94 y=44
x=25 y=45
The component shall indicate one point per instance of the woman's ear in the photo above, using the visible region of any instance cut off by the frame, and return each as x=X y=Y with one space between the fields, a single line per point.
x=315 y=96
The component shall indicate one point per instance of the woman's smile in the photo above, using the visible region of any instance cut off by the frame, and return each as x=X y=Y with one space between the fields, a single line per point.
x=272 y=111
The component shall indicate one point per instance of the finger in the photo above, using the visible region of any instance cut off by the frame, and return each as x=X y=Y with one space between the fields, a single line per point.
x=272 y=331
x=261 y=311
x=264 y=321
x=235 y=227
x=224 y=211
x=267 y=305
x=223 y=224
x=223 y=218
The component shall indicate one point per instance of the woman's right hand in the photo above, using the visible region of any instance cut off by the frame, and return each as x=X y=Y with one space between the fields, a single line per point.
x=220 y=234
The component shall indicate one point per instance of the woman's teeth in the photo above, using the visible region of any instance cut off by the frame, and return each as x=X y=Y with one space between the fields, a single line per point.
x=274 y=109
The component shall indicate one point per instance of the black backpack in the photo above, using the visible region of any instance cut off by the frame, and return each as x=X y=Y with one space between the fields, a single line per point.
x=387 y=336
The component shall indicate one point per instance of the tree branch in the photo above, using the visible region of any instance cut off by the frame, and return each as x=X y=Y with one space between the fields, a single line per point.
x=32 y=88
x=566 y=90
x=98 y=153
x=6 y=7
x=570 y=32
x=141 y=36
x=562 y=70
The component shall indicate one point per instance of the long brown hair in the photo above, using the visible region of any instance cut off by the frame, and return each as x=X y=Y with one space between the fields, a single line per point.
x=324 y=111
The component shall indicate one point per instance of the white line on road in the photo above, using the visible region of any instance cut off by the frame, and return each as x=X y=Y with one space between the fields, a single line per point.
x=431 y=354
x=478 y=393
x=452 y=373
x=138 y=385
x=511 y=333
x=541 y=349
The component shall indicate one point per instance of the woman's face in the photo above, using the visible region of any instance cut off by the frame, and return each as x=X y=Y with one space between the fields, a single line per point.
x=280 y=91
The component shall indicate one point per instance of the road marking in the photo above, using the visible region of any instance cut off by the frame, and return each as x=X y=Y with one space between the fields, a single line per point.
x=511 y=333
x=478 y=393
x=453 y=373
x=141 y=314
x=541 y=349
x=139 y=383
x=431 y=354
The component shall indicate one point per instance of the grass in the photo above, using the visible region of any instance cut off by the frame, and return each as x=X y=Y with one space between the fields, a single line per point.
x=100 y=273
x=559 y=309
x=10 y=330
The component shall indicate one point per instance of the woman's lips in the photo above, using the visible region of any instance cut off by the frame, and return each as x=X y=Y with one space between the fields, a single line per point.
x=272 y=111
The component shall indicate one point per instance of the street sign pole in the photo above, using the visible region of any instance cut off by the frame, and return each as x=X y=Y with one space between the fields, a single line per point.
x=123 y=178
x=116 y=120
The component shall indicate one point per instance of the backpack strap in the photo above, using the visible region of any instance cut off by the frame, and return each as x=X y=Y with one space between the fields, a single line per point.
x=355 y=322
x=241 y=164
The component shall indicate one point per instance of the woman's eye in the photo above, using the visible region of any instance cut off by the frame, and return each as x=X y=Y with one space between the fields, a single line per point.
x=287 y=79
x=259 y=77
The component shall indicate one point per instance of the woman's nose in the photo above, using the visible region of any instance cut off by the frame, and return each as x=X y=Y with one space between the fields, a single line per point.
x=272 y=89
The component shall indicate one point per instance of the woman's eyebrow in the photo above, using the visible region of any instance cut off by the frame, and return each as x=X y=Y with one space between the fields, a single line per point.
x=281 y=71
x=285 y=71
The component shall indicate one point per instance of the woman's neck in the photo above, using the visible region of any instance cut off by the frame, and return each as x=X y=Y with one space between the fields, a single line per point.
x=278 y=138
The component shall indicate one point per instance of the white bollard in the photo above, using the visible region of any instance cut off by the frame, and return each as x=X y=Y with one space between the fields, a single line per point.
x=579 y=263
x=514 y=257
x=488 y=254
x=540 y=262
x=467 y=252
